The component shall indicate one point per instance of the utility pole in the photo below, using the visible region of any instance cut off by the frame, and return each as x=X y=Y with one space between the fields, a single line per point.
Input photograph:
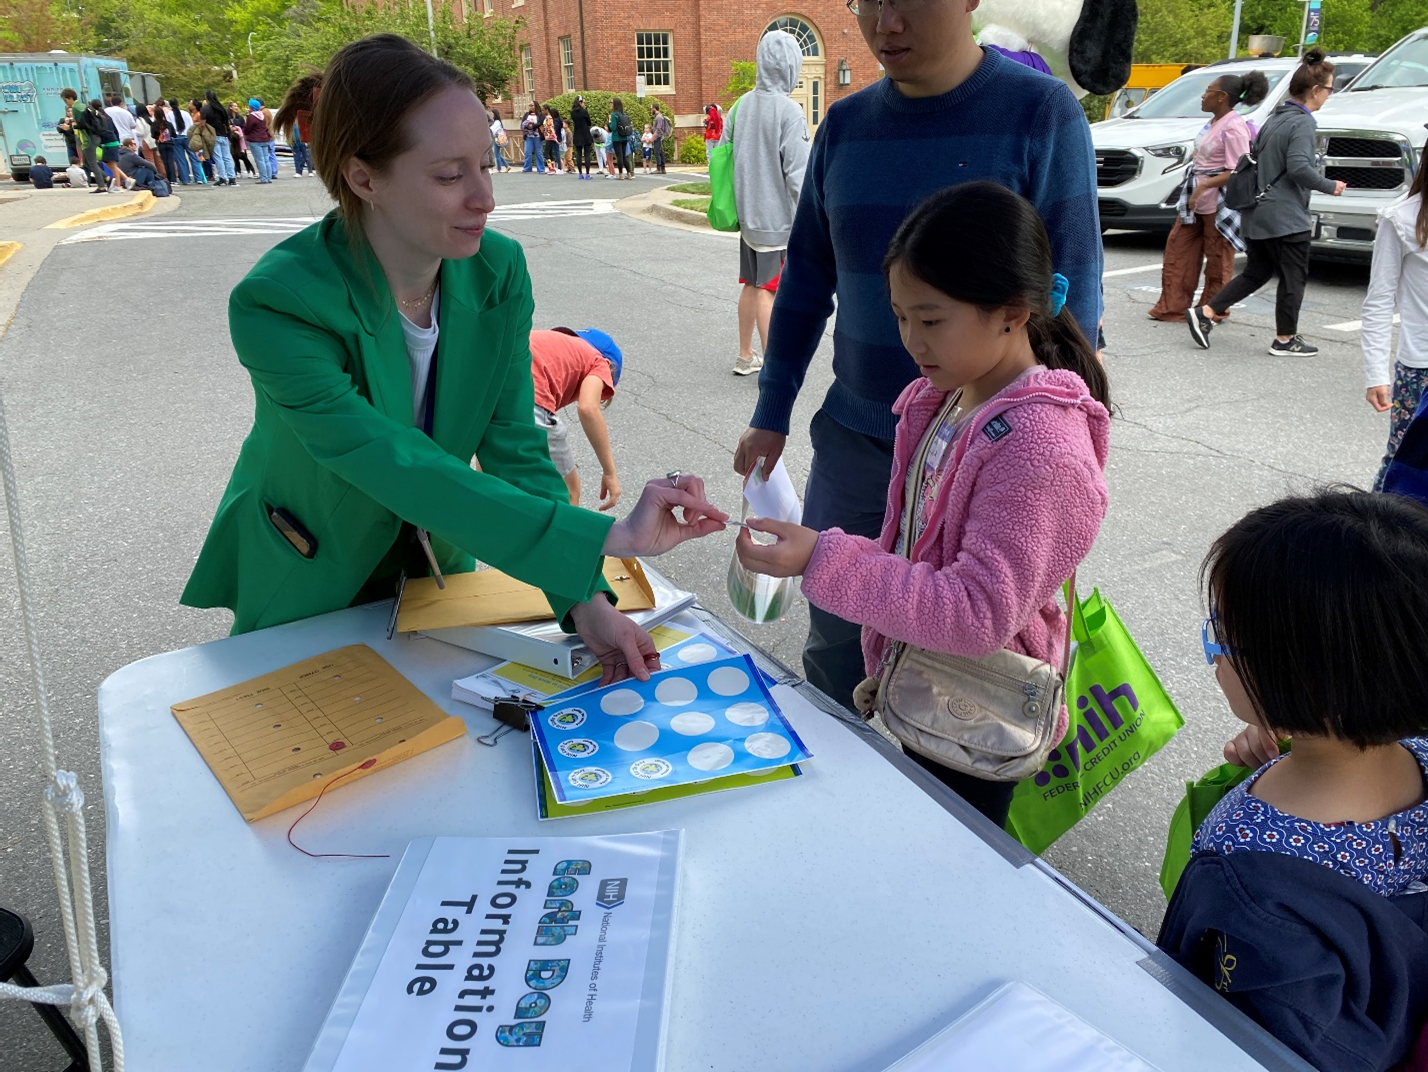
x=431 y=26
x=1235 y=33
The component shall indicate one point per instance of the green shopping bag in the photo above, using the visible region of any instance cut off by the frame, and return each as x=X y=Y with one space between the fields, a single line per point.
x=1199 y=801
x=723 y=212
x=1121 y=715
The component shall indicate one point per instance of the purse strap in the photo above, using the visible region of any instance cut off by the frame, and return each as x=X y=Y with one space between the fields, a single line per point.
x=912 y=491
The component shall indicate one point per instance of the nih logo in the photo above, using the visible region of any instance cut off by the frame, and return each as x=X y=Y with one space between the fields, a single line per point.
x=612 y=892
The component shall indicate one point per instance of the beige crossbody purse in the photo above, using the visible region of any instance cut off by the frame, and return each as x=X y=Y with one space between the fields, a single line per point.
x=993 y=718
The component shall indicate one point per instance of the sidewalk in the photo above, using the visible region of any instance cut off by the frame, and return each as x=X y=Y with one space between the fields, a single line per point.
x=27 y=234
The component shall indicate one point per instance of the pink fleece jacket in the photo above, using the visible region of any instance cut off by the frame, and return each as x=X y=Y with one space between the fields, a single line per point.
x=1013 y=519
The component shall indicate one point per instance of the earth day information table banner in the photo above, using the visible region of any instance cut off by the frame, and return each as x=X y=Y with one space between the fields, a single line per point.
x=531 y=953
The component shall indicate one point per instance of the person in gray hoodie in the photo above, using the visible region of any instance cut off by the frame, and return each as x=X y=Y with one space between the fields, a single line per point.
x=1277 y=230
x=771 y=143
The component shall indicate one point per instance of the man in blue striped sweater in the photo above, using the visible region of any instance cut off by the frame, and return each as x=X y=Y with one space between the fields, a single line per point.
x=946 y=113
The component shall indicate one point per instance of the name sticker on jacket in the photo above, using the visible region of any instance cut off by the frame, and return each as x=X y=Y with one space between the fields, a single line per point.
x=996 y=428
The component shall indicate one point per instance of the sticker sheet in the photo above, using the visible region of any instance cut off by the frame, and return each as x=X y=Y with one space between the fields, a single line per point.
x=686 y=725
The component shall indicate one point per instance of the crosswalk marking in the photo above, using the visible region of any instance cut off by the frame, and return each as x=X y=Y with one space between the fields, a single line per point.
x=284 y=225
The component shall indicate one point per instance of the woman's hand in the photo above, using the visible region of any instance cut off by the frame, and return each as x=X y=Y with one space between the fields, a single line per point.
x=1378 y=398
x=787 y=558
x=623 y=648
x=654 y=527
x=1252 y=747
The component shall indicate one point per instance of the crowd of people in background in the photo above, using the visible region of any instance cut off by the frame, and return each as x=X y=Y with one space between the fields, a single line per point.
x=189 y=143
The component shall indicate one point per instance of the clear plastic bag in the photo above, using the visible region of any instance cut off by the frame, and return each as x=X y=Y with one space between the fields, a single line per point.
x=757 y=597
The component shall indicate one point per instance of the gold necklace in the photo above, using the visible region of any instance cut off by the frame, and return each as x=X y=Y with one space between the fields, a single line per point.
x=416 y=302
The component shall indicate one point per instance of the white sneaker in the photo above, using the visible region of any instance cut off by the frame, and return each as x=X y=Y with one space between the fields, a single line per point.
x=746 y=366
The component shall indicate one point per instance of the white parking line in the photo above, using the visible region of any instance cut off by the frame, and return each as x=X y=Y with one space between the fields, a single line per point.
x=283 y=225
x=1353 y=325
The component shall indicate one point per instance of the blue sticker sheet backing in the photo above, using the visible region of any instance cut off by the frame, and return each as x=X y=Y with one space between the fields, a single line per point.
x=688 y=724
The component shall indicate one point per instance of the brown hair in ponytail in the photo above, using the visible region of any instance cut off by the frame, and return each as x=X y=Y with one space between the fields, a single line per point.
x=1011 y=267
x=1314 y=70
x=301 y=97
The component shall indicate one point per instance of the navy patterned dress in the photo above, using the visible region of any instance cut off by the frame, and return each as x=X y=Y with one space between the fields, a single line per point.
x=1388 y=855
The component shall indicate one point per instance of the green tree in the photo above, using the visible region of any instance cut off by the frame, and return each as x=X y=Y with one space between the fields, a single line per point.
x=741 y=80
x=1183 y=31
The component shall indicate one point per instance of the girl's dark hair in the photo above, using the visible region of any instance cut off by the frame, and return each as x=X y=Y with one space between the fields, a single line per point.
x=553 y=110
x=1323 y=602
x=617 y=105
x=359 y=105
x=1249 y=88
x=1419 y=189
x=1314 y=70
x=1012 y=266
x=299 y=98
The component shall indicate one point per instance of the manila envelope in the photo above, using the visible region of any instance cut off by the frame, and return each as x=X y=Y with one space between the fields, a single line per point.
x=489 y=597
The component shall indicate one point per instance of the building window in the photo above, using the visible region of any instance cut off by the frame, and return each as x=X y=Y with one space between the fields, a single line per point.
x=527 y=68
x=653 y=59
x=567 y=64
x=489 y=6
x=817 y=101
x=801 y=31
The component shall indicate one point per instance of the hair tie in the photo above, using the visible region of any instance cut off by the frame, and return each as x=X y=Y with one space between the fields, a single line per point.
x=1059 y=287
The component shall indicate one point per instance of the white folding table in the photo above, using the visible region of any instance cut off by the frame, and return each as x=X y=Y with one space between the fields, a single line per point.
x=829 y=922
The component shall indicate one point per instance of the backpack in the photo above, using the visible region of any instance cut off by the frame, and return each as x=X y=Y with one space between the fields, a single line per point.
x=159 y=187
x=626 y=128
x=1242 y=190
x=723 y=210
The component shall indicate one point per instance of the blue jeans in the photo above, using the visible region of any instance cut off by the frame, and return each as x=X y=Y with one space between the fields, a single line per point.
x=183 y=157
x=533 y=155
x=301 y=157
x=223 y=159
x=848 y=489
x=265 y=159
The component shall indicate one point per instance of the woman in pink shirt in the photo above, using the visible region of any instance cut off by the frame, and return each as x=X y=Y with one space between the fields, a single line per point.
x=1194 y=238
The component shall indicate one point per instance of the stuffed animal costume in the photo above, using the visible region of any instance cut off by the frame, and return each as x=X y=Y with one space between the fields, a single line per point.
x=1086 y=43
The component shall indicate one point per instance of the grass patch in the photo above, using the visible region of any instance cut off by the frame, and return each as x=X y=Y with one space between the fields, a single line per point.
x=691 y=188
x=694 y=204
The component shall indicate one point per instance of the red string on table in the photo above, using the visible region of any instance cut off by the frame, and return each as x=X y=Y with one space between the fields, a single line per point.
x=330 y=855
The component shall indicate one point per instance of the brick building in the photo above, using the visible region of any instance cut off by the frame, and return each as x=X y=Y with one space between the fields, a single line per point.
x=681 y=48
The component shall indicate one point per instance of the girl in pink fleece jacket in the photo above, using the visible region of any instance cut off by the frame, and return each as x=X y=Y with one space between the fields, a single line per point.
x=1015 y=405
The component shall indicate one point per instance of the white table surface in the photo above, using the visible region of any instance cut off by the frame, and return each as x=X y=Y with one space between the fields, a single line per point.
x=831 y=922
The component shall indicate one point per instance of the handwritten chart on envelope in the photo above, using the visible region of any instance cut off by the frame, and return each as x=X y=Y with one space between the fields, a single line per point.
x=279 y=739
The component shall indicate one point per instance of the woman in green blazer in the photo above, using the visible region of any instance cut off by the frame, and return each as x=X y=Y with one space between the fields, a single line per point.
x=388 y=344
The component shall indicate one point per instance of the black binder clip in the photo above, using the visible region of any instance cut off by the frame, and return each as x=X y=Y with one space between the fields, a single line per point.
x=514 y=713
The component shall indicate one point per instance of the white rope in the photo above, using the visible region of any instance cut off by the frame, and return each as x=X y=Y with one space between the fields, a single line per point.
x=85 y=996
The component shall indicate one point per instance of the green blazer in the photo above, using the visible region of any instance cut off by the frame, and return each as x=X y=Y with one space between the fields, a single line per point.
x=334 y=441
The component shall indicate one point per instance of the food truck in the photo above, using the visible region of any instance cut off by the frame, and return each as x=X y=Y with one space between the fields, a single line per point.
x=30 y=104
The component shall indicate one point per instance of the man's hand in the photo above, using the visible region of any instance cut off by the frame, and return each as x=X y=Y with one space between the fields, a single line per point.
x=1378 y=398
x=787 y=558
x=1339 y=187
x=609 y=491
x=623 y=648
x=758 y=443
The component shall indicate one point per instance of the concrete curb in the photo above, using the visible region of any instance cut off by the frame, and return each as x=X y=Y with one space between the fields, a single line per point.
x=8 y=250
x=140 y=203
x=678 y=215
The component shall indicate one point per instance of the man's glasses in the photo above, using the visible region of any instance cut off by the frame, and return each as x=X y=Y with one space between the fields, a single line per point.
x=870 y=8
x=1210 y=638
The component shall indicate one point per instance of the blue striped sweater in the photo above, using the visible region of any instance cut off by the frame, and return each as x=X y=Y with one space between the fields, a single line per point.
x=1008 y=124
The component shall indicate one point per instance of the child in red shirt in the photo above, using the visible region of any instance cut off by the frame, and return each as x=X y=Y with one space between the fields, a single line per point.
x=582 y=367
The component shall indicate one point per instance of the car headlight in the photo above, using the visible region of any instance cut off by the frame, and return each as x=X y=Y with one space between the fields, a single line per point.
x=1177 y=153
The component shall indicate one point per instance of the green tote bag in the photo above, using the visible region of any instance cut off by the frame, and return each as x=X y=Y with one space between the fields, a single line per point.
x=1121 y=715
x=723 y=211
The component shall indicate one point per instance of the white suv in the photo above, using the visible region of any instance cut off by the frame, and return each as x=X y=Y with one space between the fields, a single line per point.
x=1372 y=137
x=1141 y=156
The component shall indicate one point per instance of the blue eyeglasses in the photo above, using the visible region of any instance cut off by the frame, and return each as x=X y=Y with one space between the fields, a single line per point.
x=1210 y=638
